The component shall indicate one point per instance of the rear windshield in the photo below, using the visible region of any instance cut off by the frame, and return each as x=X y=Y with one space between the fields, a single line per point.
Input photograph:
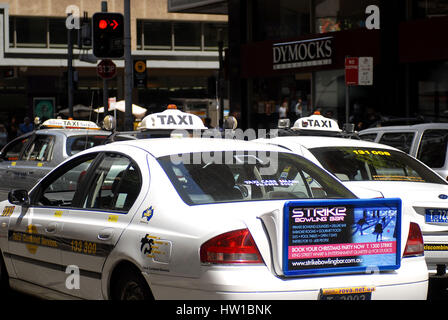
x=77 y=144
x=248 y=177
x=371 y=164
x=432 y=149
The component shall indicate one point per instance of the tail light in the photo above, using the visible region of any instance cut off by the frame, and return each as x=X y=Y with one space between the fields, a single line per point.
x=232 y=247
x=414 y=245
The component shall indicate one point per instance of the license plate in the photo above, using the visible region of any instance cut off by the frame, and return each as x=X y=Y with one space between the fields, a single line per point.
x=436 y=215
x=352 y=293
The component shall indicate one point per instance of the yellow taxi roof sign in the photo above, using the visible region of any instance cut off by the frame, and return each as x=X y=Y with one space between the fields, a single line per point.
x=316 y=122
x=172 y=119
x=70 y=124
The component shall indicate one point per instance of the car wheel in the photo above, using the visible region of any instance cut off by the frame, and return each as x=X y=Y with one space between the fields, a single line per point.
x=131 y=286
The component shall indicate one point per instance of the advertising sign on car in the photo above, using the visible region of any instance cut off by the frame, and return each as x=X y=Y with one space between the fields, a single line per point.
x=341 y=236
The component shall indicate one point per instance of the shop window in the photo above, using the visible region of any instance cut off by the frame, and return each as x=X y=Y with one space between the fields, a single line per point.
x=280 y=19
x=432 y=91
x=211 y=31
x=430 y=8
x=337 y=15
x=155 y=35
x=31 y=32
x=58 y=33
x=187 y=35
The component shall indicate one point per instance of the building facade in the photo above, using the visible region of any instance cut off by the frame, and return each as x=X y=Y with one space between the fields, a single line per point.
x=180 y=51
x=284 y=50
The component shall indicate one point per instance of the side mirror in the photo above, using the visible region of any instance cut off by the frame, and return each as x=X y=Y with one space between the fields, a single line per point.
x=19 y=197
x=284 y=124
x=348 y=127
x=109 y=123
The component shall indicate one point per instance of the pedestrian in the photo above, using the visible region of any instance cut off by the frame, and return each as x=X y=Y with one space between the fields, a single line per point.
x=283 y=110
x=26 y=126
x=299 y=108
x=12 y=129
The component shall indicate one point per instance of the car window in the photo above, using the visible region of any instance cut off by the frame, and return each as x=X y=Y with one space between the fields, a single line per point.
x=399 y=140
x=14 y=149
x=59 y=188
x=40 y=149
x=432 y=149
x=115 y=186
x=373 y=164
x=79 y=143
x=241 y=178
x=368 y=137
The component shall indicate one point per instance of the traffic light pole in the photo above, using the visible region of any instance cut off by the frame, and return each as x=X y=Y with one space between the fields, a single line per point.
x=129 y=123
x=105 y=86
x=70 y=85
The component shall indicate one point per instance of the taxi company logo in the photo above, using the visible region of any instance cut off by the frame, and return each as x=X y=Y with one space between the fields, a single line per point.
x=443 y=196
x=146 y=244
x=147 y=214
x=323 y=214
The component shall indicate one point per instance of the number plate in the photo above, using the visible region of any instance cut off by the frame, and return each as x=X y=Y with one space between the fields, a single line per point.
x=436 y=215
x=354 y=293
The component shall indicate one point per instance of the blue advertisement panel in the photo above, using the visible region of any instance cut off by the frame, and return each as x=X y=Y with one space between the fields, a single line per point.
x=341 y=236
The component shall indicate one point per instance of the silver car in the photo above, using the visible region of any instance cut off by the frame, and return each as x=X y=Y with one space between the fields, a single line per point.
x=428 y=142
x=28 y=158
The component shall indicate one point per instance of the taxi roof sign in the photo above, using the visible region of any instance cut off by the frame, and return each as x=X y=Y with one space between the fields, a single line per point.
x=316 y=122
x=70 y=124
x=172 y=119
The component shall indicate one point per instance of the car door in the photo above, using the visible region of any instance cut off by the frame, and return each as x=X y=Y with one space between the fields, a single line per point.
x=34 y=232
x=92 y=229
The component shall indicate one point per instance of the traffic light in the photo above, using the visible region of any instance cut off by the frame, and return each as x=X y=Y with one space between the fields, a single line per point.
x=108 y=35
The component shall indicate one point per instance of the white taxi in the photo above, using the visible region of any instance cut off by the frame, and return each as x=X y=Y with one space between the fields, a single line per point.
x=362 y=165
x=203 y=219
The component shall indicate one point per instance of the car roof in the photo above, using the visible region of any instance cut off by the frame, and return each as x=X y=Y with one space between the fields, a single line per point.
x=414 y=127
x=317 y=142
x=73 y=132
x=167 y=146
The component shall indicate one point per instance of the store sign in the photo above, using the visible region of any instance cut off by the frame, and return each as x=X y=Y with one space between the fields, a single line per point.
x=304 y=53
x=341 y=236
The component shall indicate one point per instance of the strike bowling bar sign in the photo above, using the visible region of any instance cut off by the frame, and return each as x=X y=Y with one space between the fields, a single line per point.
x=341 y=236
x=304 y=53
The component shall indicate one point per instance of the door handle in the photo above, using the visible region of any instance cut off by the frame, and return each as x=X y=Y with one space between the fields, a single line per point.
x=106 y=234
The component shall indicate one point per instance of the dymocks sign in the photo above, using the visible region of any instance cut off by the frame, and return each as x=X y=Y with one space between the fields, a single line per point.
x=303 y=53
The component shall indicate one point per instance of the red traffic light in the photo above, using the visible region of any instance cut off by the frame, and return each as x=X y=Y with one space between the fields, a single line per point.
x=103 y=24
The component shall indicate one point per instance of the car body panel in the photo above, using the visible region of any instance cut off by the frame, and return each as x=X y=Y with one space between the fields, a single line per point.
x=416 y=196
x=161 y=235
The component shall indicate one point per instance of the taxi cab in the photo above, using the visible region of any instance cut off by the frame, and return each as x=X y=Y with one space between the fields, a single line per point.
x=175 y=218
x=366 y=165
x=30 y=157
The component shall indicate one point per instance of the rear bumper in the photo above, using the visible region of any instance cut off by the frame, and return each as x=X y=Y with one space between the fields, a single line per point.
x=410 y=282
x=436 y=251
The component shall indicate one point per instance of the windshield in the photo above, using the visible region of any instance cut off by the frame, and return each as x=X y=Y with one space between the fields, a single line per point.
x=247 y=178
x=371 y=164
